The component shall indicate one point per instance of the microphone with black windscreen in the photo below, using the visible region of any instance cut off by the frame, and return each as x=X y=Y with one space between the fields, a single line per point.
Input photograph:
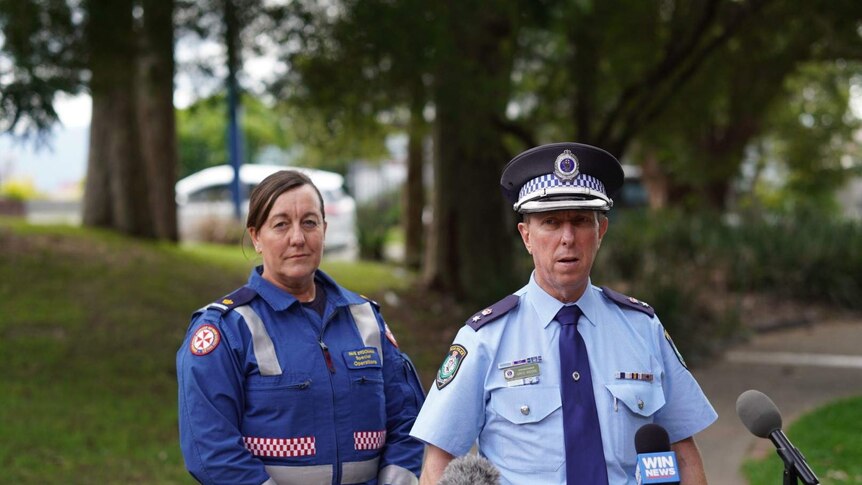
x=761 y=416
x=655 y=463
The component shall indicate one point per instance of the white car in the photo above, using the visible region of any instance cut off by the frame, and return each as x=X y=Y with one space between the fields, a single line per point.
x=204 y=200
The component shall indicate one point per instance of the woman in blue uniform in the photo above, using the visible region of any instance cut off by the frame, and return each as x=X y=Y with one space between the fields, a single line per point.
x=293 y=379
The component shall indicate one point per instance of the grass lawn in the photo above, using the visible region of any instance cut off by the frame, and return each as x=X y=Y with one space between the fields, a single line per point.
x=831 y=440
x=90 y=325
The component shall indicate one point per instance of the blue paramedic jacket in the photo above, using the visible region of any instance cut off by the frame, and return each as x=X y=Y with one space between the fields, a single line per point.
x=270 y=393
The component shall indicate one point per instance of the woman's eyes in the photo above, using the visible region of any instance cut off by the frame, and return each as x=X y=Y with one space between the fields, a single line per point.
x=306 y=224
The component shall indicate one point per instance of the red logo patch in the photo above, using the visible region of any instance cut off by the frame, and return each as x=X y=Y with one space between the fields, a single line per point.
x=205 y=340
x=390 y=336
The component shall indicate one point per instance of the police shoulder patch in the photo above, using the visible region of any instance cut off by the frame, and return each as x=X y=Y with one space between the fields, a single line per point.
x=497 y=310
x=205 y=339
x=628 y=301
x=450 y=365
x=675 y=350
x=238 y=298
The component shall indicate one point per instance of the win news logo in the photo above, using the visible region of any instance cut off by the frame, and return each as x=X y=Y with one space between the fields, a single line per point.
x=657 y=468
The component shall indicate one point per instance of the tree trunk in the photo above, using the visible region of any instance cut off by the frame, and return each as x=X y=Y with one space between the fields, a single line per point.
x=414 y=189
x=472 y=246
x=115 y=156
x=97 y=196
x=156 y=114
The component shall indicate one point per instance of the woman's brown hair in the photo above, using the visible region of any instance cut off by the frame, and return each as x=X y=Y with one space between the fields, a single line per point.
x=263 y=196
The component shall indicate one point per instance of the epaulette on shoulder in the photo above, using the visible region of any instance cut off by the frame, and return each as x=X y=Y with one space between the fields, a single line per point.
x=493 y=312
x=628 y=301
x=373 y=303
x=238 y=298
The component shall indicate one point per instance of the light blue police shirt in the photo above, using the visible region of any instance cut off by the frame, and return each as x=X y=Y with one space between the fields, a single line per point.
x=519 y=425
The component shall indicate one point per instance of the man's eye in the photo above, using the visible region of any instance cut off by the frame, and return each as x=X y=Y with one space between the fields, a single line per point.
x=310 y=224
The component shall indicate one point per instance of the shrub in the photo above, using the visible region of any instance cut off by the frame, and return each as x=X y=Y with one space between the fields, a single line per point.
x=374 y=220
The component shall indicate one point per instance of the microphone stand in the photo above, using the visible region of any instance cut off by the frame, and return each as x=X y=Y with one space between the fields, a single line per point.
x=790 y=475
x=794 y=462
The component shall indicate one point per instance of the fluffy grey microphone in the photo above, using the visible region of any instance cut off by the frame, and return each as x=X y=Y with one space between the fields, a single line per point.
x=470 y=470
x=758 y=413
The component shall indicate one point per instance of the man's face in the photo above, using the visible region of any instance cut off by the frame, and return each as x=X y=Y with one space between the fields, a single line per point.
x=564 y=245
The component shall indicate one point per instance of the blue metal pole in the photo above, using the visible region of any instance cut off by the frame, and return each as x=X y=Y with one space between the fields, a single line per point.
x=234 y=139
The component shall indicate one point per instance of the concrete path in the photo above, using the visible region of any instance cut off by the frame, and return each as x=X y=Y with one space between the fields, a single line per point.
x=799 y=369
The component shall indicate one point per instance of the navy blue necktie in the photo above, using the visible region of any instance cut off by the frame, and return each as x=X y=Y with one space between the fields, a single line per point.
x=585 y=460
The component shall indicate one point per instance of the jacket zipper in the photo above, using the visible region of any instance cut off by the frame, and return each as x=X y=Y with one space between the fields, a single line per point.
x=326 y=355
x=331 y=366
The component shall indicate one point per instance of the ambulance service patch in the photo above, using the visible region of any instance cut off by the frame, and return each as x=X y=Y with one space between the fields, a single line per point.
x=450 y=366
x=390 y=336
x=205 y=339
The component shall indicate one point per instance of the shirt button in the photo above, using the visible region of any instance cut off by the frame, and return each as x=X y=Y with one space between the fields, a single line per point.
x=576 y=376
x=525 y=410
x=640 y=404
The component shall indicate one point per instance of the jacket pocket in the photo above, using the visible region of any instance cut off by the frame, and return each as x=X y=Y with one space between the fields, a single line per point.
x=367 y=400
x=280 y=407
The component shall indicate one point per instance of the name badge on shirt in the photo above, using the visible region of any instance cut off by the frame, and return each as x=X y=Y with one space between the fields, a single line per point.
x=361 y=358
x=523 y=374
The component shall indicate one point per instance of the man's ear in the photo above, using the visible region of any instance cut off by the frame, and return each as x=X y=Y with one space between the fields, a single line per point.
x=603 y=227
x=524 y=230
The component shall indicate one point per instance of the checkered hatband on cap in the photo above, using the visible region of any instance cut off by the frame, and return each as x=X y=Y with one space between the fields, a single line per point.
x=549 y=192
x=550 y=181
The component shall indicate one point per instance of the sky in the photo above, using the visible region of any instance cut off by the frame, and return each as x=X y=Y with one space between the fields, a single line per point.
x=60 y=166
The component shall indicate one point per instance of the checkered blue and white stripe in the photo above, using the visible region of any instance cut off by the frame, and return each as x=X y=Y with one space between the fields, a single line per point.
x=550 y=180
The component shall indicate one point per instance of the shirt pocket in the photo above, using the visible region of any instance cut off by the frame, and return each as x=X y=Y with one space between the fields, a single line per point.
x=634 y=404
x=524 y=429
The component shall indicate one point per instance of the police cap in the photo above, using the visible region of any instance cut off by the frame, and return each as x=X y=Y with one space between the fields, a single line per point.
x=560 y=176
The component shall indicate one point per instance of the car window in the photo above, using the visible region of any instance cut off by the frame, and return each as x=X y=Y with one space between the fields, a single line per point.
x=331 y=195
x=213 y=193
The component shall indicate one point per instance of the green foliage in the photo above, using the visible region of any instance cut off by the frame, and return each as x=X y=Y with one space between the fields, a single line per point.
x=673 y=262
x=91 y=324
x=830 y=437
x=806 y=256
x=202 y=132
x=374 y=221
x=18 y=190
x=41 y=54
x=329 y=142
x=811 y=137
x=694 y=268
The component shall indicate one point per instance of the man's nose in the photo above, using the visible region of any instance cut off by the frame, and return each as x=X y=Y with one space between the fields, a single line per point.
x=568 y=235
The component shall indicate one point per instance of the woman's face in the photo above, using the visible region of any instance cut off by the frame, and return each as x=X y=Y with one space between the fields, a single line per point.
x=291 y=240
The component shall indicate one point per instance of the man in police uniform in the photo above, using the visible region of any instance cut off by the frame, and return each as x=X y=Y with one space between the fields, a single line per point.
x=555 y=380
